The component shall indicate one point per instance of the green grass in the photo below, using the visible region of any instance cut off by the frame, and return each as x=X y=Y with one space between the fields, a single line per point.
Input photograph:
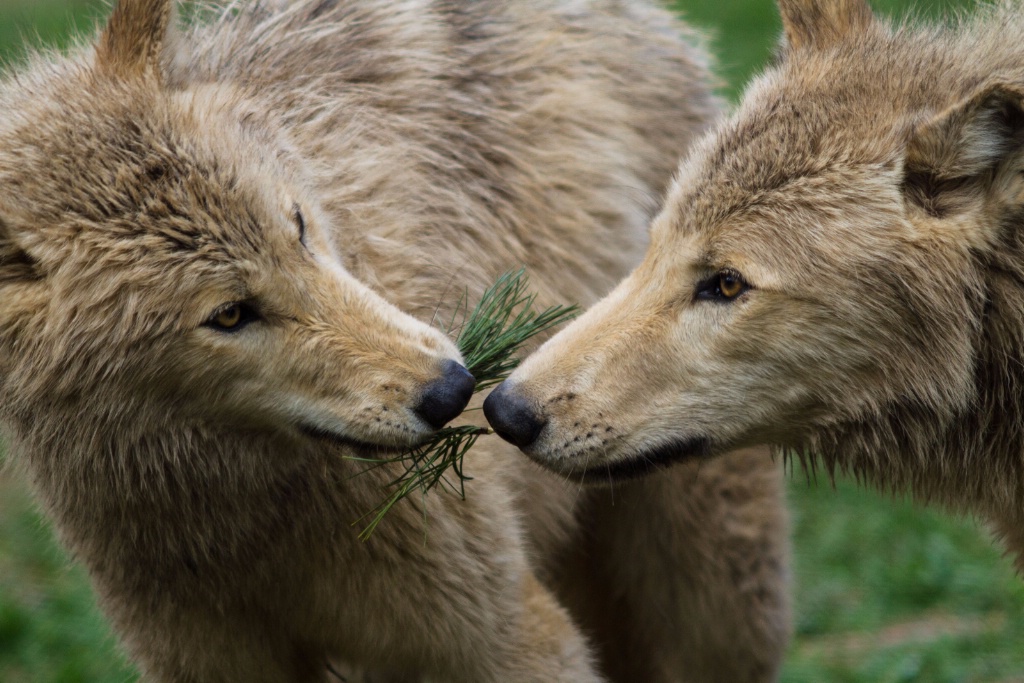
x=745 y=33
x=884 y=591
x=50 y=629
x=42 y=22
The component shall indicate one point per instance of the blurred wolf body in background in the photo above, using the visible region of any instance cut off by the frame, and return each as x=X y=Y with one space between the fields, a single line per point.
x=838 y=269
x=203 y=236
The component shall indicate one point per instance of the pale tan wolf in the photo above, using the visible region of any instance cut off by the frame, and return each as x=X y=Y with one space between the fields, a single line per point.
x=197 y=232
x=838 y=269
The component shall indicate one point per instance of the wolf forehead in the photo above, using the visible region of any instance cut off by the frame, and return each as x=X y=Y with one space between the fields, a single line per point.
x=175 y=174
x=777 y=150
x=815 y=138
x=746 y=201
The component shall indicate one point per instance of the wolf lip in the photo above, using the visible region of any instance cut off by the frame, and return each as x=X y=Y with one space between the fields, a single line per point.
x=321 y=434
x=645 y=461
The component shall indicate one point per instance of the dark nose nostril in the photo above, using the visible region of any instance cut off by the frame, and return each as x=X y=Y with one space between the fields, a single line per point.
x=444 y=399
x=512 y=416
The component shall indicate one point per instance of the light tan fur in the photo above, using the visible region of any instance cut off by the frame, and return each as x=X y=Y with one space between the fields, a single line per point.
x=864 y=205
x=320 y=161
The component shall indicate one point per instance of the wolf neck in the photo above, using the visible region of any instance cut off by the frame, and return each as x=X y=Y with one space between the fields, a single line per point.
x=973 y=457
x=184 y=495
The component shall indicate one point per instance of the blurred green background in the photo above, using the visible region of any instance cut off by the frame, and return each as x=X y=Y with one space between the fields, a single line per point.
x=884 y=592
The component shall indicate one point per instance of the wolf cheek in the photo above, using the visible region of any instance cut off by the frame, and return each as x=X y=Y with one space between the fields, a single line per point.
x=330 y=360
x=594 y=401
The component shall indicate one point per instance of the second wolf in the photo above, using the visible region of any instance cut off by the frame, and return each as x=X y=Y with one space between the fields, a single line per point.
x=838 y=269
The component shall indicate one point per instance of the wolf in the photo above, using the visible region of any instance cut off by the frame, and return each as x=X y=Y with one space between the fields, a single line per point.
x=838 y=270
x=222 y=247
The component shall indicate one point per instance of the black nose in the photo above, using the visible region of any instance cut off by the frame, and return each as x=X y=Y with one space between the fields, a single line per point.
x=512 y=416
x=446 y=398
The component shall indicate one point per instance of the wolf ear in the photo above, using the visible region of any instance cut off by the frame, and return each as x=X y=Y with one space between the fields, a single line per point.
x=950 y=153
x=822 y=23
x=136 y=37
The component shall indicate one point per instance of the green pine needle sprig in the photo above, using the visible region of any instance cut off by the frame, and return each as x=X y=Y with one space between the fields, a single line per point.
x=426 y=467
x=500 y=324
x=488 y=337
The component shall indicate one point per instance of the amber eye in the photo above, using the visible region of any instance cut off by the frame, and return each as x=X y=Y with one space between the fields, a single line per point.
x=232 y=317
x=730 y=285
x=724 y=286
x=229 y=317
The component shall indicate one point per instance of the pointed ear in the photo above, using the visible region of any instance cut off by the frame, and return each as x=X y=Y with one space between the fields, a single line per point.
x=136 y=37
x=949 y=154
x=819 y=24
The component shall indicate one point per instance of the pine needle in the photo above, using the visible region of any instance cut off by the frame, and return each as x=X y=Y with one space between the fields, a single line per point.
x=502 y=322
x=488 y=338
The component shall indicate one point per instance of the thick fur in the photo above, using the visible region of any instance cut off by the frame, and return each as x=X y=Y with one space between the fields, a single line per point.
x=867 y=202
x=308 y=159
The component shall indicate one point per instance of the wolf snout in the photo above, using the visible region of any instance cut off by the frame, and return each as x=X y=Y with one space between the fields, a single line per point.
x=512 y=416
x=445 y=398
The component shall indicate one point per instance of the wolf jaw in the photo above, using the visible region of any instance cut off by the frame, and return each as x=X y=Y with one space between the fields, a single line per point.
x=651 y=458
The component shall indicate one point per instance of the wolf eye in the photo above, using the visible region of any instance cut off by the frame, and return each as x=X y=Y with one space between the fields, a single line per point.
x=729 y=285
x=232 y=317
x=725 y=286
